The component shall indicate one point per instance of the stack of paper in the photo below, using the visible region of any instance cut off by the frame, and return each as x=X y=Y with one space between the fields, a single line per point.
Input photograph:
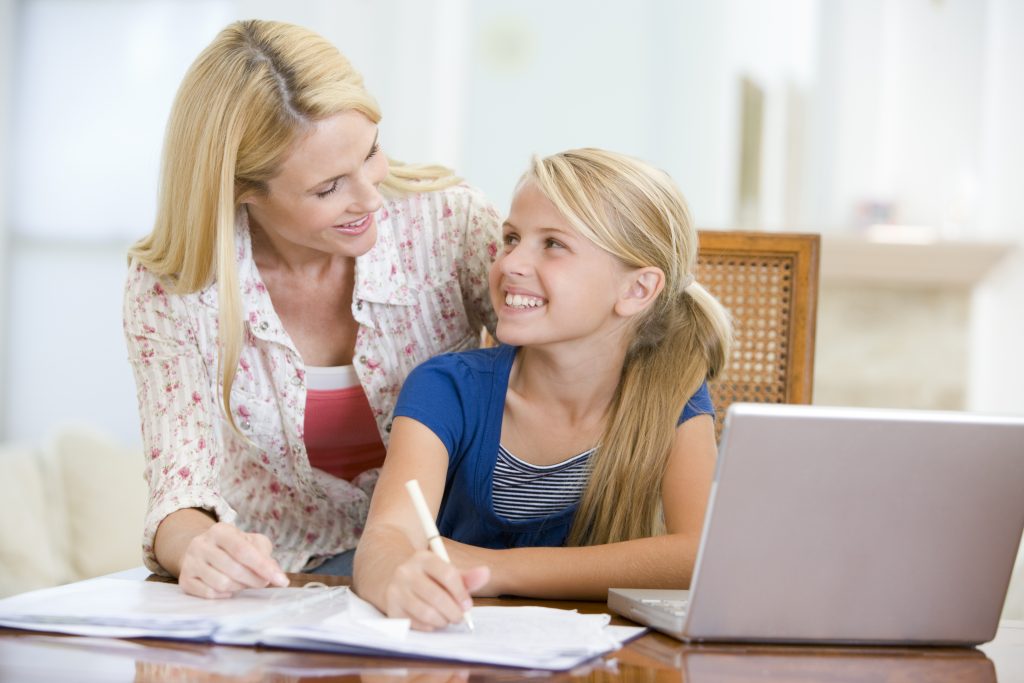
x=325 y=619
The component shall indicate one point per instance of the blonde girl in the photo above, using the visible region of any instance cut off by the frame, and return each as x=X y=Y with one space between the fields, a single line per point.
x=291 y=281
x=579 y=454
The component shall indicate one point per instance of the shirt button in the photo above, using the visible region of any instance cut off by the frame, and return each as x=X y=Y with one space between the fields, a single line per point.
x=359 y=305
x=245 y=425
x=387 y=428
x=362 y=359
x=264 y=326
x=296 y=380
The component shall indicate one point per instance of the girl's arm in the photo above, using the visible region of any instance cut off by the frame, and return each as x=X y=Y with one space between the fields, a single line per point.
x=586 y=573
x=394 y=570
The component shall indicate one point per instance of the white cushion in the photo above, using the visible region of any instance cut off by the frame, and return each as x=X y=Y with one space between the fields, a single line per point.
x=31 y=532
x=106 y=500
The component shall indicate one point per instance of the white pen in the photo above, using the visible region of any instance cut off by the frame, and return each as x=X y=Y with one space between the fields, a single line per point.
x=430 y=529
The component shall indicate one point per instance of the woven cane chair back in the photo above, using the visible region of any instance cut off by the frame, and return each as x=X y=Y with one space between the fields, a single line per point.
x=769 y=284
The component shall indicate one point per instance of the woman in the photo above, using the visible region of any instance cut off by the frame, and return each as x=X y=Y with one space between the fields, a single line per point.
x=278 y=304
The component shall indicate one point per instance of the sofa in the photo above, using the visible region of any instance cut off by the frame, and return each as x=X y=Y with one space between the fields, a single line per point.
x=71 y=507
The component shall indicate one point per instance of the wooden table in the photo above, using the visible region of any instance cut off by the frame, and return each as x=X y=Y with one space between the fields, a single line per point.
x=37 y=657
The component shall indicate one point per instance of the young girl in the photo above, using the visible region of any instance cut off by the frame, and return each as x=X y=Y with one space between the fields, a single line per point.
x=579 y=454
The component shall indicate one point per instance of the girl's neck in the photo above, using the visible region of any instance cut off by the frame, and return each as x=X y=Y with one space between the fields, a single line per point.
x=578 y=380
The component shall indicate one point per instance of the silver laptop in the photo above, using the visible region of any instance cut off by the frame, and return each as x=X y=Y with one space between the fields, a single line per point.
x=851 y=525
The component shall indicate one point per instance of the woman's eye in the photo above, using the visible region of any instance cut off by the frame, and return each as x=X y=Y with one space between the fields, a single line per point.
x=552 y=243
x=328 y=191
x=373 y=151
x=511 y=240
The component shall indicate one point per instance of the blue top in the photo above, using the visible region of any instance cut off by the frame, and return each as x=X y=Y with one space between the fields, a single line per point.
x=461 y=398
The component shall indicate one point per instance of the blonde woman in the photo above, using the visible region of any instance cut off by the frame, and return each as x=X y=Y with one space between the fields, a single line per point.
x=579 y=454
x=291 y=282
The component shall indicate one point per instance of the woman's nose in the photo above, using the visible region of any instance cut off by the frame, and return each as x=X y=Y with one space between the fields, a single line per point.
x=366 y=196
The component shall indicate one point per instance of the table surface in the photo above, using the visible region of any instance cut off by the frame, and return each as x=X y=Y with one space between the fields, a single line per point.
x=29 y=656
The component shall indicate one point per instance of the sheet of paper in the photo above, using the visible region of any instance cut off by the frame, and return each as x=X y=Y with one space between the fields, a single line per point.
x=119 y=608
x=534 y=637
x=331 y=619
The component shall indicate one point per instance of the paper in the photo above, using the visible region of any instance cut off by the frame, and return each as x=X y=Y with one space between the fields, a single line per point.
x=327 y=619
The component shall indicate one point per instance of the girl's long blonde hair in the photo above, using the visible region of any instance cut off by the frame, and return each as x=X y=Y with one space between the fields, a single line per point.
x=248 y=96
x=635 y=212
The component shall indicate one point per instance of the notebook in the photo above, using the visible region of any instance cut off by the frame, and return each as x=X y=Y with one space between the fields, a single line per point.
x=851 y=525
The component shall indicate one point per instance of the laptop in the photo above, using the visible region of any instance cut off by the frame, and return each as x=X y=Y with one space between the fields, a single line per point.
x=851 y=526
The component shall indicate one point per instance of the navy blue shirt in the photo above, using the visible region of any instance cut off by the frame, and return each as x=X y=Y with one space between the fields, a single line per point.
x=461 y=398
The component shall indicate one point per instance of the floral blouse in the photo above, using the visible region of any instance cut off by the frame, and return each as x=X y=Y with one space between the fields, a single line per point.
x=422 y=290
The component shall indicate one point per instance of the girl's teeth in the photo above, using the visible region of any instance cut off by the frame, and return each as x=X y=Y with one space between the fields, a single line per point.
x=521 y=301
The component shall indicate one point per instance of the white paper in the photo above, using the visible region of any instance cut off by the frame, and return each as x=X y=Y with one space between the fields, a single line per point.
x=331 y=619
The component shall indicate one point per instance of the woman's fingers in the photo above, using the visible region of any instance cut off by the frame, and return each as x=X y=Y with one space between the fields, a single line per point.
x=224 y=560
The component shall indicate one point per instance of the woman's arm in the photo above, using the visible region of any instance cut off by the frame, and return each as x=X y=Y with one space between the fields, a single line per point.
x=394 y=570
x=586 y=573
x=182 y=454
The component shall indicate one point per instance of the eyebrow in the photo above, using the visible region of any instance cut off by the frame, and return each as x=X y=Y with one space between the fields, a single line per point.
x=332 y=179
x=542 y=229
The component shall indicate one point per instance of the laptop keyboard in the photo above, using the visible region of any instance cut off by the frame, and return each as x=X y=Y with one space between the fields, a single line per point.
x=676 y=608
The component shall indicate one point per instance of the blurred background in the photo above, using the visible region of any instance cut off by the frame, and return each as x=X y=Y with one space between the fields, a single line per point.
x=892 y=127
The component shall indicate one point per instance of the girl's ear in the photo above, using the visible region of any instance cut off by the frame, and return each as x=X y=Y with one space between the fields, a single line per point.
x=641 y=288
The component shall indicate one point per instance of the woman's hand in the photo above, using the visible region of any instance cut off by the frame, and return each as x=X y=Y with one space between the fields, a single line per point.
x=224 y=560
x=430 y=592
x=214 y=559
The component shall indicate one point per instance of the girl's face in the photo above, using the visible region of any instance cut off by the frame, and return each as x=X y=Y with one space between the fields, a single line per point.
x=324 y=196
x=549 y=283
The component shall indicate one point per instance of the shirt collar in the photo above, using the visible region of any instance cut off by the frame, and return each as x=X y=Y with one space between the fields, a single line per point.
x=379 y=275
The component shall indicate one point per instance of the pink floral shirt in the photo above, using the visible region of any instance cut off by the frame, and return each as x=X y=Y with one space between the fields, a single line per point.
x=421 y=291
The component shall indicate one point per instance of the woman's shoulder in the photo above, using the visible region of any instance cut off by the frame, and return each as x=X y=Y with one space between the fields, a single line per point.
x=141 y=279
x=442 y=206
x=146 y=288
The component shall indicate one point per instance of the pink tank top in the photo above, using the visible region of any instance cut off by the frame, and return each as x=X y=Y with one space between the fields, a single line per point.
x=340 y=433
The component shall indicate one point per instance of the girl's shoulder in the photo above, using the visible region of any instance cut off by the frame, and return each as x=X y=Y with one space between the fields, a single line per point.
x=475 y=362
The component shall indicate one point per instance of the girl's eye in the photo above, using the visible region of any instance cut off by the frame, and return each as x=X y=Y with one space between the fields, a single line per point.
x=549 y=242
x=328 y=191
x=373 y=151
x=511 y=240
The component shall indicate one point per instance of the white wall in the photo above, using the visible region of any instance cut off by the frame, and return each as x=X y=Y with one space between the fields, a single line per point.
x=913 y=101
x=997 y=330
x=897 y=112
x=6 y=73
x=655 y=79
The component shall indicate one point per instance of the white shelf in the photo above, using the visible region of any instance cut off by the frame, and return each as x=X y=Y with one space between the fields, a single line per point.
x=942 y=264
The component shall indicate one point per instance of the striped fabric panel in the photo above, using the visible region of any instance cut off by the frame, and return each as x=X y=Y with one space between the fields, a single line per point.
x=524 y=491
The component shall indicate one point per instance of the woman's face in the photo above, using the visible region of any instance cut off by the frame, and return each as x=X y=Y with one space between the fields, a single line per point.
x=324 y=196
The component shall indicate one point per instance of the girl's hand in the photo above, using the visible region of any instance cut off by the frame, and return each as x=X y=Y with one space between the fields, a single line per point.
x=430 y=592
x=224 y=560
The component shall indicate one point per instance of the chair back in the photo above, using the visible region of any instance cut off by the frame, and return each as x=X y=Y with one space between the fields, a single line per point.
x=769 y=283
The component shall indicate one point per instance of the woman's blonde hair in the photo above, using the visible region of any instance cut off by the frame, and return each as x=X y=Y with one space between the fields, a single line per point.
x=635 y=212
x=249 y=95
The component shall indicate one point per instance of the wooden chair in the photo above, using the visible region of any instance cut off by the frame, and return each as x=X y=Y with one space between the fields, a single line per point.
x=769 y=283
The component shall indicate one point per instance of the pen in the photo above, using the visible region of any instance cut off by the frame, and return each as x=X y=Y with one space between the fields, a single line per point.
x=430 y=529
